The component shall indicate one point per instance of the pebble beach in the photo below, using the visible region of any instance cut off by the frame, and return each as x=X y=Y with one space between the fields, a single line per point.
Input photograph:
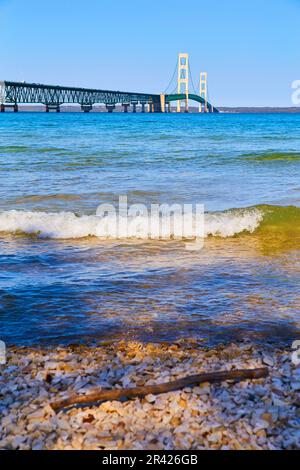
x=251 y=414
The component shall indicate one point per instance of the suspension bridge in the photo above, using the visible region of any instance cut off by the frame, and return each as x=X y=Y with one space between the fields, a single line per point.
x=12 y=94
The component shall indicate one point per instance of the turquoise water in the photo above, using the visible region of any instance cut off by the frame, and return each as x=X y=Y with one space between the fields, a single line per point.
x=59 y=282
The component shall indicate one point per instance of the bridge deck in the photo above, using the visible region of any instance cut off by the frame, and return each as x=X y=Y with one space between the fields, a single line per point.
x=14 y=93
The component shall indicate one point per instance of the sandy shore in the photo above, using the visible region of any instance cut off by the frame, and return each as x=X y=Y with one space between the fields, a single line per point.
x=259 y=414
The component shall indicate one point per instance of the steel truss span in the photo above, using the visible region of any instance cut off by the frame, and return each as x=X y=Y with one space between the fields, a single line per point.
x=14 y=93
x=35 y=93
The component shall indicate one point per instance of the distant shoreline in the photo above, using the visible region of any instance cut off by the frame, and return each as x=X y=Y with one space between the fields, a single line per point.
x=222 y=109
x=266 y=109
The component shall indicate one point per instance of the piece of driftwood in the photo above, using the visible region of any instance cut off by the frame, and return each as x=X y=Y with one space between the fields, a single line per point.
x=101 y=395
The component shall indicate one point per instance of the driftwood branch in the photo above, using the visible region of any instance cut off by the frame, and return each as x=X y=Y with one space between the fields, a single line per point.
x=117 y=394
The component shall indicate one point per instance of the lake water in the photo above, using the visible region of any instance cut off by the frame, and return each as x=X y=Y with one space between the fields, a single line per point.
x=60 y=282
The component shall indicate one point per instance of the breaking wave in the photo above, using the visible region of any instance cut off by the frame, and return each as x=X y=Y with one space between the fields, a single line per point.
x=68 y=225
x=273 y=157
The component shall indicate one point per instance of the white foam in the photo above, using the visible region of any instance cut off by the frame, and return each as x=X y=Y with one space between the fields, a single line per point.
x=67 y=225
x=230 y=223
x=48 y=225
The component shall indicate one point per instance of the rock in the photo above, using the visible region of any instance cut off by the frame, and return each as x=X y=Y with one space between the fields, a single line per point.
x=36 y=415
x=214 y=437
x=261 y=424
x=268 y=361
x=88 y=419
x=295 y=386
x=175 y=421
x=37 y=445
x=246 y=415
x=277 y=401
x=267 y=417
x=63 y=424
x=6 y=421
x=204 y=389
x=17 y=441
x=150 y=398
x=261 y=433
x=51 y=365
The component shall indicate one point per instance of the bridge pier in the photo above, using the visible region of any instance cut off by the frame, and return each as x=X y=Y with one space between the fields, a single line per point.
x=14 y=107
x=157 y=107
x=143 y=106
x=163 y=103
x=110 y=107
x=125 y=106
x=134 y=105
x=52 y=107
x=150 y=108
x=86 y=108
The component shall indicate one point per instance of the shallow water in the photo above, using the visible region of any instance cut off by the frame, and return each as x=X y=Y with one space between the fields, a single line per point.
x=60 y=282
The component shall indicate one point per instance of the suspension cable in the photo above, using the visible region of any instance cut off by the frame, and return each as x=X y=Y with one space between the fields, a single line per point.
x=173 y=76
x=192 y=80
x=198 y=85
x=208 y=95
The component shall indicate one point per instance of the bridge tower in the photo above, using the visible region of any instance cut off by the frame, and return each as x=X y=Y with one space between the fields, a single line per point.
x=183 y=80
x=203 y=91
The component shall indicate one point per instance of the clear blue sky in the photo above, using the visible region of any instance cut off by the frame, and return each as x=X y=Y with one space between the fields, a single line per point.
x=250 y=48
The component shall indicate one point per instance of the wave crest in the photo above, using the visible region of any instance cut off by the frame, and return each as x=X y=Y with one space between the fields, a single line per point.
x=67 y=225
